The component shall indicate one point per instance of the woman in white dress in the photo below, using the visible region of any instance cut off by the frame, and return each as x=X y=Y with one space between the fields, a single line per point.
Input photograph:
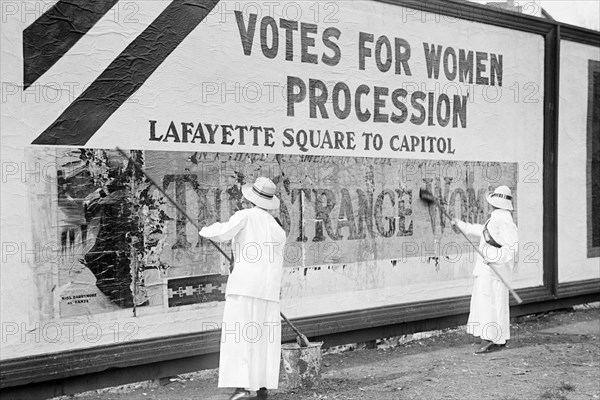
x=489 y=316
x=251 y=330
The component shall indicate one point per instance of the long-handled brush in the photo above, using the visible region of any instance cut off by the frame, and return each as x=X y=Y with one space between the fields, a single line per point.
x=429 y=198
x=303 y=341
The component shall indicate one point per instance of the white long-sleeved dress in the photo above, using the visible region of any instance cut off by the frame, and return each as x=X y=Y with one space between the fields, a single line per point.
x=251 y=330
x=489 y=316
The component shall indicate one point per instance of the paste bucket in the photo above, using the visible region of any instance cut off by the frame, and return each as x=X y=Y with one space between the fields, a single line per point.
x=301 y=365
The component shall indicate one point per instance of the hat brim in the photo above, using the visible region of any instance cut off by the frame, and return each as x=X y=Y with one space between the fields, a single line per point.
x=267 y=204
x=497 y=202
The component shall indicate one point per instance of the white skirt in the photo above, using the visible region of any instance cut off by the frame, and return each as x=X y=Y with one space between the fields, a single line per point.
x=489 y=318
x=250 y=344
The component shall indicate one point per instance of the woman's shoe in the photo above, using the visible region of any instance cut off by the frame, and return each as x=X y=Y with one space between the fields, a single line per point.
x=262 y=394
x=241 y=394
x=486 y=345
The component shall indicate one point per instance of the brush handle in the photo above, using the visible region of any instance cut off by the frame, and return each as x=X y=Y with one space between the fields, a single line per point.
x=177 y=206
x=511 y=290
x=303 y=339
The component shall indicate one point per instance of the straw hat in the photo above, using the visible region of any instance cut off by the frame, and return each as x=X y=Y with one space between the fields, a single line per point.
x=501 y=198
x=262 y=193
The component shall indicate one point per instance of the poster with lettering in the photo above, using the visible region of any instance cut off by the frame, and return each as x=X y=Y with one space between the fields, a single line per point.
x=349 y=107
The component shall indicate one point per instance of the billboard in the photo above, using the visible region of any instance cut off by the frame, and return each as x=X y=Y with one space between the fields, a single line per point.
x=349 y=107
x=579 y=163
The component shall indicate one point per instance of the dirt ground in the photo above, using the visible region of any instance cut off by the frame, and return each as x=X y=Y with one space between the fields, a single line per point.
x=551 y=356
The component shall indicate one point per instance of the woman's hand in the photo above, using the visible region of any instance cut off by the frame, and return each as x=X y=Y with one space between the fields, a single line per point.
x=455 y=222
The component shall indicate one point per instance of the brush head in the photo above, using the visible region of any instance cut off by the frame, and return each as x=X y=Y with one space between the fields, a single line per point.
x=302 y=341
x=426 y=196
